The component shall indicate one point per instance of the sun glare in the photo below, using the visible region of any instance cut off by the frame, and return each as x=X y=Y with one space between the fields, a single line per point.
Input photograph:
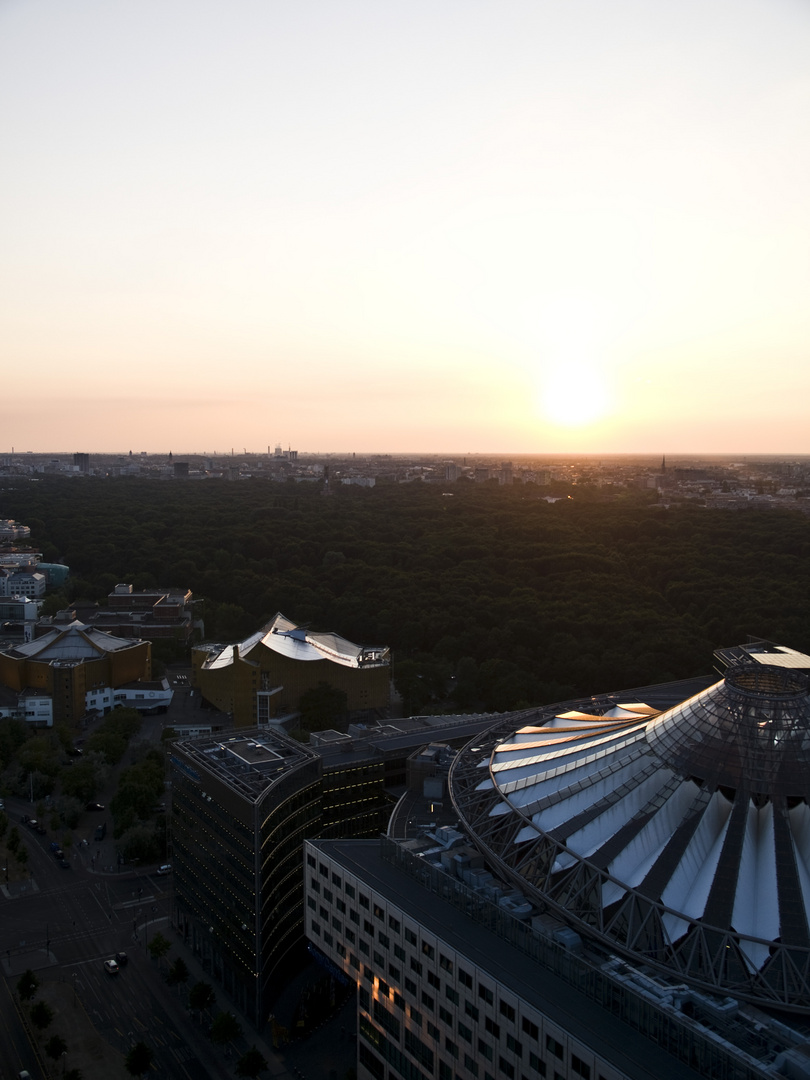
x=574 y=394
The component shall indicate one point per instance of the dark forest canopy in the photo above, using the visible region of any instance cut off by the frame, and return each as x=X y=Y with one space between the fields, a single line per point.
x=489 y=596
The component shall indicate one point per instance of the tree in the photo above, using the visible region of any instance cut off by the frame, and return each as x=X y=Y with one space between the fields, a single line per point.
x=55 y=1047
x=178 y=972
x=41 y=1015
x=251 y=1063
x=225 y=1028
x=159 y=946
x=139 y=1059
x=322 y=707
x=201 y=996
x=27 y=985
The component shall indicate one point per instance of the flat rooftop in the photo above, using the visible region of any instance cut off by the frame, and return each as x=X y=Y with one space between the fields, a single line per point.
x=640 y=1058
x=247 y=763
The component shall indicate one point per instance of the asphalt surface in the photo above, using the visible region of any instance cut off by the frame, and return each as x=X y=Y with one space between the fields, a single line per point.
x=64 y=923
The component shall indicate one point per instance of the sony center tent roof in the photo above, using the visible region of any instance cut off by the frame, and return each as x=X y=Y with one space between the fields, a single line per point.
x=680 y=837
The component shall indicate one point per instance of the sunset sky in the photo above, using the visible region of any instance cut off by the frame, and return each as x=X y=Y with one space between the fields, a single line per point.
x=440 y=225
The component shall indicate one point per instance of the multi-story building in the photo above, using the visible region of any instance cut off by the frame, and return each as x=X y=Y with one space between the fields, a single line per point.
x=263 y=678
x=243 y=803
x=241 y=808
x=22 y=583
x=153 y=614
x=71 y=663
x=625 y=894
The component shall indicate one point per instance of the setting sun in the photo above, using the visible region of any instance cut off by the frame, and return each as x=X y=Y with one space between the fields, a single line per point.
x=574 y=394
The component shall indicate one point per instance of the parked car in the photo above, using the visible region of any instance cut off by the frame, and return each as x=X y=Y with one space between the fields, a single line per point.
x=122 y=959
x=57 y=851
x=64 y=864
x=111 y=967
x=165 y=869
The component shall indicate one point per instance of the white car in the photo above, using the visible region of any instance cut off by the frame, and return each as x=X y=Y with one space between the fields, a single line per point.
x=111 y=967
x=165 y=869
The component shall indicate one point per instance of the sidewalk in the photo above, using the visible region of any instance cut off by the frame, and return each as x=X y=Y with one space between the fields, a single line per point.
x=325 y=1054
x=196 y=973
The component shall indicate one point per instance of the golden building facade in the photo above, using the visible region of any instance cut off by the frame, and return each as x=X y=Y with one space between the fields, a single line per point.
x=265 y=676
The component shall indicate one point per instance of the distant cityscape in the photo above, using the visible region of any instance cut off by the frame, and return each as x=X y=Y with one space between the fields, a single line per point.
x=732 y=481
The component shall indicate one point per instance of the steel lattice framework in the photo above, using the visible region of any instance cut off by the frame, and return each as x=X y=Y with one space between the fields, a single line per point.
x=679 y=838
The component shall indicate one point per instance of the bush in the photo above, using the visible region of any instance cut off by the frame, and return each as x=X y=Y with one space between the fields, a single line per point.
x=41 y=1015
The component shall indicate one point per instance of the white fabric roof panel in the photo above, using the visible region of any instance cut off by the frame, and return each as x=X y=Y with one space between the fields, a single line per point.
x=756 y=907
x=655 y=793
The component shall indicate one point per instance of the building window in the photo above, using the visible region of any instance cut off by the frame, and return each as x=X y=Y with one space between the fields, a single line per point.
x=410 y=936
x=506 y=1068
x=434 y=980
x=378 y=912
x=537 y=1064
x=484 y=1049
x=492 y=1027
x=554 y=1047
x=465 y=1032
x=580 y=1067
x=428 y=950
x=364 y=902
x=428 y=1000
x=513 y=1045
x=471 y=1010
x=394 y=924
x=471 y=1065
x=446 y=1016
x=451 y=994
x=531 y=1029
x=507 y=1011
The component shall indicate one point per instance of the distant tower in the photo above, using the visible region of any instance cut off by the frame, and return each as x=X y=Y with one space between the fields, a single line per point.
x=664 y=463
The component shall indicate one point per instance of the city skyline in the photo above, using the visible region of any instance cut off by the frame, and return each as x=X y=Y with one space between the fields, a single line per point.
x=522 y=229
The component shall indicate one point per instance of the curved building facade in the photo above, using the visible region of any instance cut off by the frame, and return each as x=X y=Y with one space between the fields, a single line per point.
x=678 y=835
